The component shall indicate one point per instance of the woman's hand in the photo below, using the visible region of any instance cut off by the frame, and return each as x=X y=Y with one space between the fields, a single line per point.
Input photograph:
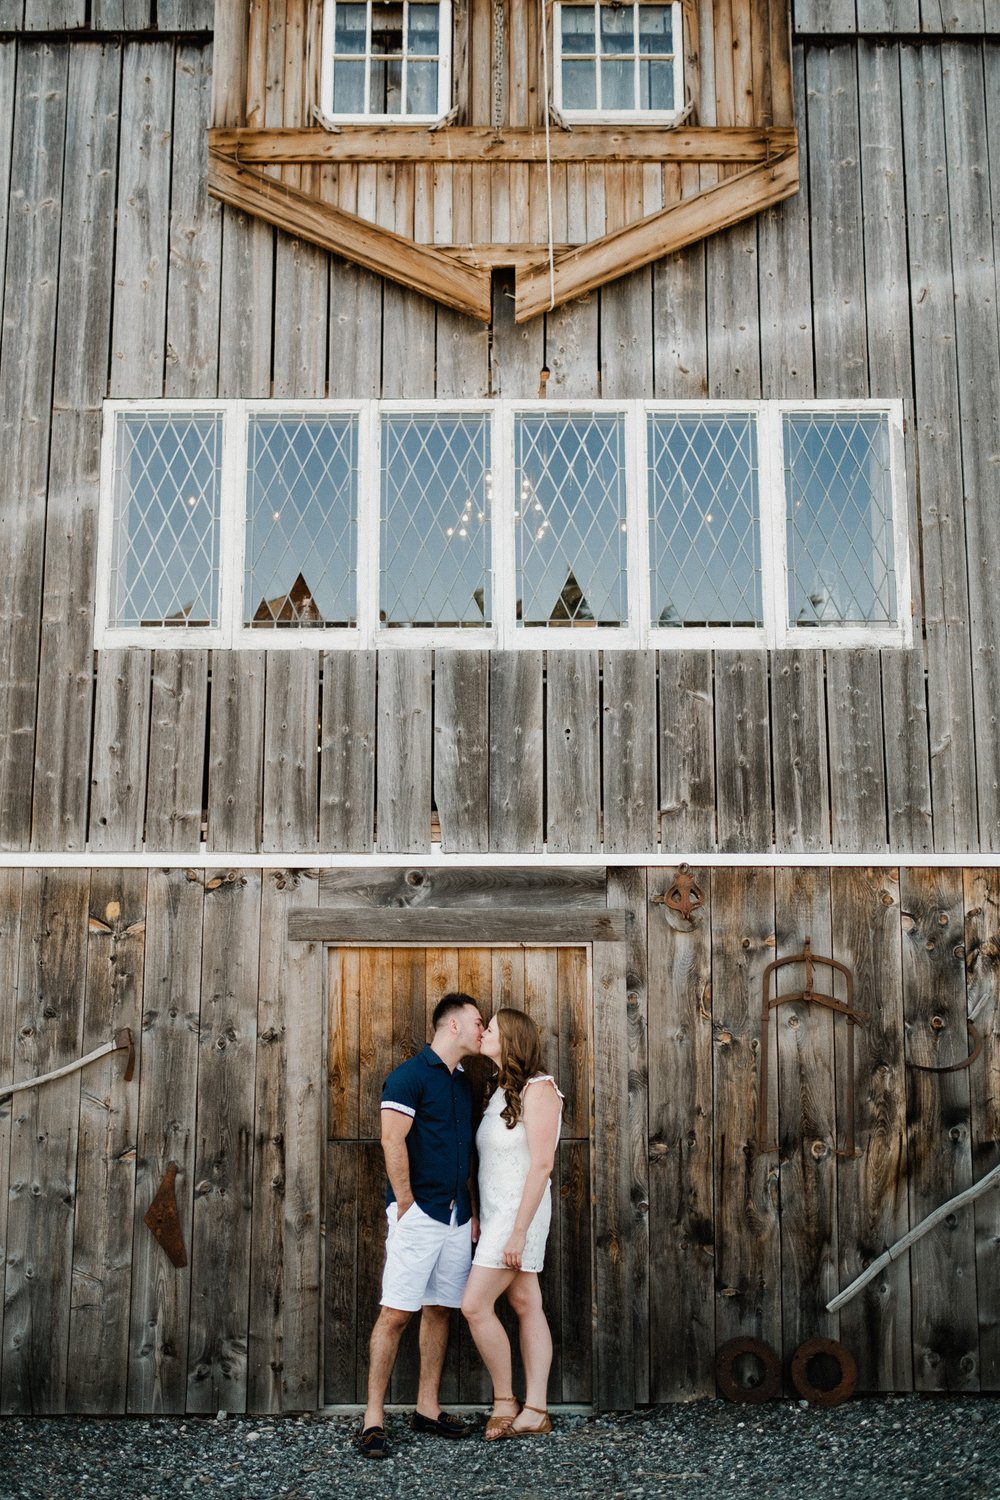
x=514 y=1249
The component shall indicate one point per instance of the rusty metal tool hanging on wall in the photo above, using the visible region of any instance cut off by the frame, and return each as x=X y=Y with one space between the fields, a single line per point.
x=122 y=1042
x=811 y=997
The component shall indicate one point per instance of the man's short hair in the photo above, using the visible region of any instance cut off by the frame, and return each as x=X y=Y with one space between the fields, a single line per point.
x=454 y=1000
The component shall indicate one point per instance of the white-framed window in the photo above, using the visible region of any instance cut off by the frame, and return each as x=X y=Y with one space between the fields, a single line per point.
x=386 y=61
x=618 y=61
x=503 y=524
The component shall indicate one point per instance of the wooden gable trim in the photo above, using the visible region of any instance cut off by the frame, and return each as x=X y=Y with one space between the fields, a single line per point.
x=419 y=267
x=399 y=143
x=482 y=927
x=579 y=271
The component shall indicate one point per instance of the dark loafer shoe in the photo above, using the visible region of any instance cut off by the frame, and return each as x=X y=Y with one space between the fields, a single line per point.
x=443 y=1425
x=371 y=1442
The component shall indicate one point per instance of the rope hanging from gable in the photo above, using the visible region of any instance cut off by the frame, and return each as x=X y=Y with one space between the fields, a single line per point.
x=548 y=156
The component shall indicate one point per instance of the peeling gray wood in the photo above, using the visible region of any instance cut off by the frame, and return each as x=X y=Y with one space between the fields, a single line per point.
x=403 y=793
x=236 y=750
x=857 y=772
x=291 y=751
x=907 y=771
x=629 y=751
x=247 y=252
x=121 y=747
x=177 y=750
x=799 y=748
x=192 y=350
x=472 y=886
x=742 y=750
x=687 y=750
x=573 y=752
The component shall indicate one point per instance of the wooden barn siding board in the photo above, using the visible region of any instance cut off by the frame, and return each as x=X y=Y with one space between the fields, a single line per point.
x=51 y=983
x=872 y=1208
x=245 y=297
x=784 y=278
x=809 y=1131
x=883 y=17
x=573 y=752
x=982 y=929
x=629 y=750
x=517 y=752
x=178 y=707
x=799 y=745
x=26 y=367
x=936 y=396
x=680 y=1146
x=747 y=1229
x=403 y=769
x=687 y=750
x=193 y=290
x=742 y=750
x=627 y=891
x=285 y=1226
x=10 y=934
x=291 y=744
x=142 y=247
x=978 y=356
x=407 y=323
x=577 y=887
x=518 y=352
x=8 y=73
x=679 y=327
x=856 y=739
x=347 y=752
x=120 y=750
x=907 y=764
x=171 y=1020
x=939 y=1155
x=614 y=1227
x=236 y=750
x=97 y=1365
x=65 y=671
x=626 y=347
x=230 y=60
x=221 y=1228
x=461 y=749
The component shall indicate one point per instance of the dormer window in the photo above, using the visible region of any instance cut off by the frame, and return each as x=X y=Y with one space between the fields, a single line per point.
x=386 y=60
x=618 y=61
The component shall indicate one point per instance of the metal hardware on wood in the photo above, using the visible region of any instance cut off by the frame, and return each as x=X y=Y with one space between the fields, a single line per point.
x=810 y=996
x=683 y=894
x=123 y=1040
x=807 y=1387
x=725 y=1371
x=958 y=1067
x=163 y=1221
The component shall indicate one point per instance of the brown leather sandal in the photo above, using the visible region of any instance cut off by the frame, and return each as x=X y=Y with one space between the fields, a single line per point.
x=545 y=1425
x=498 y=1424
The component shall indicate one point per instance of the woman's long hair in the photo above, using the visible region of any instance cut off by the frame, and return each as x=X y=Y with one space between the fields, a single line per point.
x=520 y=1059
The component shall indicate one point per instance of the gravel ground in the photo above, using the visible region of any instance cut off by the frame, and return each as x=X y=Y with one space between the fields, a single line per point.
x=895 y=1446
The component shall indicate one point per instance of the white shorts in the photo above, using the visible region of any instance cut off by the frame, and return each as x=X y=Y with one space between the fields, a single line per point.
x=426 y=1263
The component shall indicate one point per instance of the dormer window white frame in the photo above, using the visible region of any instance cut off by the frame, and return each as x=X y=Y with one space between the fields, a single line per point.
x=386 y=62
x=503 y=524
x=618 y=62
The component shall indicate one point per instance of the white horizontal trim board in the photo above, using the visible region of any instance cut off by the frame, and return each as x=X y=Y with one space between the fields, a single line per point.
x=297 y=860
x=503 y=520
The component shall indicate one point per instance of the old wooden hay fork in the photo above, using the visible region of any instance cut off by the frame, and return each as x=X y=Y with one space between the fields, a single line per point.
x=812 y=997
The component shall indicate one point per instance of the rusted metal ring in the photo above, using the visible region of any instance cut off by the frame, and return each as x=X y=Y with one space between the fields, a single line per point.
x=725 y=1371
x=845 y=1362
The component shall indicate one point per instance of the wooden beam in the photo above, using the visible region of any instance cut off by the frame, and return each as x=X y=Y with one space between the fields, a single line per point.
x=356 y=143
x=418 y=267
x=660 y=234
x=510 y=924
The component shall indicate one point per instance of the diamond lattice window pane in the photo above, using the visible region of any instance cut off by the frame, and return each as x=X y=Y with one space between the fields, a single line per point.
x=838 y=489
x=570 y=518
x=436 y=507
x=301 y=540
x=165 y=552
x=704 y=533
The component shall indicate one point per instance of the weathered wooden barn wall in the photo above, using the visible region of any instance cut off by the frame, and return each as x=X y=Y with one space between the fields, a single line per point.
x=877 y=279
x=698 y=1237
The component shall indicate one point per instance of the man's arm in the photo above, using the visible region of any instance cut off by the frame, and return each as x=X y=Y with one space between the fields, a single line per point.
x=395 y=1129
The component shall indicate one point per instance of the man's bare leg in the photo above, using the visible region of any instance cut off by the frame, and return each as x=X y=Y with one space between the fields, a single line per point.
x=434 y=1329
x=382 y=1349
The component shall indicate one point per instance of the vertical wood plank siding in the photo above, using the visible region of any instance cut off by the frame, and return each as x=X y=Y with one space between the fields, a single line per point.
x=693 y=1243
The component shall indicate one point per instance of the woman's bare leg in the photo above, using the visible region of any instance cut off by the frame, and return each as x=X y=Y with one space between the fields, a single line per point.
x=482 y=1289
x=525 y=1297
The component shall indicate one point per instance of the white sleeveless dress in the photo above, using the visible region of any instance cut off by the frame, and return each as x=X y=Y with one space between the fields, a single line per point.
x=504 y=1161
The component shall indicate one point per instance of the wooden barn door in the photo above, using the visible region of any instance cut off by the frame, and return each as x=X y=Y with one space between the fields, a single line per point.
x=379 y=1006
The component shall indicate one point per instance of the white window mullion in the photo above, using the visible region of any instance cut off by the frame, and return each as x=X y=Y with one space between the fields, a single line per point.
x=773 y=546
x=638 y=524
x=503 y=550
x=368 y=502
x=233 y=520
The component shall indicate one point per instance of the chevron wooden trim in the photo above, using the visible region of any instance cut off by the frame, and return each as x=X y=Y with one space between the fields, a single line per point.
x=580 y=270
x=423 y=269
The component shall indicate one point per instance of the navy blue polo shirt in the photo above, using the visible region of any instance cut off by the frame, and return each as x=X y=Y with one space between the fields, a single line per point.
x=439 y=1102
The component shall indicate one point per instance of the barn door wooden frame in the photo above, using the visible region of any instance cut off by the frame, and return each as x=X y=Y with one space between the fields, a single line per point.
x=603 y=933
